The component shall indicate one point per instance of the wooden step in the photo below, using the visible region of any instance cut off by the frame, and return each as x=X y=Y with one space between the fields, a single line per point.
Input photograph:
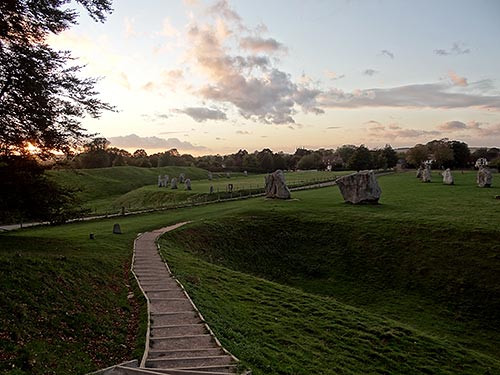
x=189 y=362
x=182 y=342
x=181 y=353
x=178 y=330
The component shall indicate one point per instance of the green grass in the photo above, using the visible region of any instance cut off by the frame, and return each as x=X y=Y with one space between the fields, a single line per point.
x=308 y=285
x=275 y=329
x=100 y=187
x=152 y=196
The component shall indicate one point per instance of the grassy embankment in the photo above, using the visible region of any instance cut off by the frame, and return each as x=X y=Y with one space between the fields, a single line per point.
x=304 y=286
x=101 y=187
x=107 y=190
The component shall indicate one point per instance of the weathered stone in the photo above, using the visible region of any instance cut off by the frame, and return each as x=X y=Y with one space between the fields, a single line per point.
x=447 y=177
x=245 y=173
x=187 y=183
x=117 y=229
x=163 y=181
x=173 y=183
x=419 y=172
x=426 y=174
x=182 y=178
x=210 y=176
x=360 y=188
x=276 y=185
x=484 y=177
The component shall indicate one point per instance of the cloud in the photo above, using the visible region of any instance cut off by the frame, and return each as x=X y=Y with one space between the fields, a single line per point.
x=257 y=44
x=432 y=95
x=333 y=76
x=452 y=126
x=201 y=114
x=334 y=127
x=387 y=53
x=474 y=127
x=395 y=131
x=168 y=30
x=457 y=80
x=243 y=132
x=222 y=9
x=135 y=141
x=155 y=117
x=259 y=91
x=370 y=72
x=456 y=49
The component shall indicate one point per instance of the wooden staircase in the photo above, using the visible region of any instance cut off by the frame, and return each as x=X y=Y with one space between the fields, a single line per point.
x=178 y=341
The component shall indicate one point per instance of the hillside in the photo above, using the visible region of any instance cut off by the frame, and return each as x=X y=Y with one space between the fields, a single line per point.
x=99 y=187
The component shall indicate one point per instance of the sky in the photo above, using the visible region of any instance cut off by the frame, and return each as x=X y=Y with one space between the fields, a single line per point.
x=213 y=77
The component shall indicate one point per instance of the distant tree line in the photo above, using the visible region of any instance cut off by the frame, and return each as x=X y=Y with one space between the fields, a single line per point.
x=98 y=154
x=442 y=153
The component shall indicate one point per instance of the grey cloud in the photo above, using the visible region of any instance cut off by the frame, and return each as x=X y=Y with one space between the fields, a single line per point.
x=456 y=49
x=135 y=141
x=243 y=132
x=334 y=127
x=396 y=132
x=433 y=95
x=370 y=72
x=201 y=114
x=453 y=126
x=387 y=53
x=155 y=117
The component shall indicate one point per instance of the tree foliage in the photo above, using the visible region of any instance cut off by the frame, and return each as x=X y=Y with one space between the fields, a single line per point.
x=42 y=97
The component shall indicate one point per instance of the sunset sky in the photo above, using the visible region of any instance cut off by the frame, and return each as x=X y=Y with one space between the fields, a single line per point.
x=211 y=77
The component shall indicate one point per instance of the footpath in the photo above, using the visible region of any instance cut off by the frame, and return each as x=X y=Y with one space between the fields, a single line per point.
x=178 y=341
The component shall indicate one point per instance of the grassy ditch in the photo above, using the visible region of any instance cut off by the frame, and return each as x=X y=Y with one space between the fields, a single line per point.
x=276 y=329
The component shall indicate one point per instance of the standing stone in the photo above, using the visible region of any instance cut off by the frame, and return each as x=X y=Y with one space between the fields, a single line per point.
x=276 y=185
x=426 y=174
x=360 y=188
x=228 y=175
x=188 y=184
x=166 y=178
x=447 y=177
x=160 y=181
x=419 y=172
x=484 y=177
x=211 y=189
x=173 y=183
x=182 y=178
x=117 y=229
x=210 y=177
x=245 y=173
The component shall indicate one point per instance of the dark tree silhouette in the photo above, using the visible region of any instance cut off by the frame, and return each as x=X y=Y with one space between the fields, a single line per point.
x=42 y=97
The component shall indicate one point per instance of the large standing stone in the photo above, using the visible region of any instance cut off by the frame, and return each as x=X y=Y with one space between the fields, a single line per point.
x=187 y=183
x=447 y=177
x=276 y=185
x=360 y=188
x=173 y=183
x=117 y=229
x=484 y=177
x=426 y=174
x=210 y=176
x=182 y=178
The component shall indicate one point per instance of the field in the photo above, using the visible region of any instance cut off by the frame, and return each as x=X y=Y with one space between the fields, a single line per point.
x=305 y=286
